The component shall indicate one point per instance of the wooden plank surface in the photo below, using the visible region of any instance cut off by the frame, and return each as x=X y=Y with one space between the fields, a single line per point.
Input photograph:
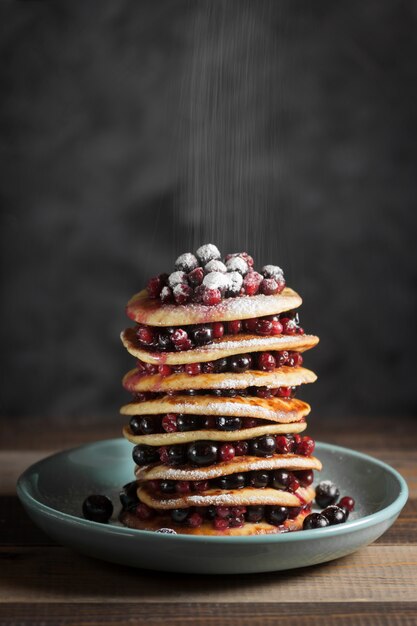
x=44 y=583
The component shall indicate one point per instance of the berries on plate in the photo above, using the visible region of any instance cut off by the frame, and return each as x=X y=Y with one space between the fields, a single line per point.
x=97 y=508
x=326 y=493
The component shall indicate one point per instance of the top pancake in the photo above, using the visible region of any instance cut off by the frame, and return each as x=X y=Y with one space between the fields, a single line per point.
x=228 y=345
x=145 y=310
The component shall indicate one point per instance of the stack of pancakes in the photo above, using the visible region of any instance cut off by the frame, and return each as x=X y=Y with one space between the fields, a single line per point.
x=229 y=457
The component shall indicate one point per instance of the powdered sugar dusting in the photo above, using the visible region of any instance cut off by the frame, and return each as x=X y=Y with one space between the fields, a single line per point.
x=237 y=264
x=215 y=280
x=177 y=278
x=207 y=252
x=215 y=266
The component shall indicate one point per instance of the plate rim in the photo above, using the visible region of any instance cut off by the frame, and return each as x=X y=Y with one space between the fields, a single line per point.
x=367 y=521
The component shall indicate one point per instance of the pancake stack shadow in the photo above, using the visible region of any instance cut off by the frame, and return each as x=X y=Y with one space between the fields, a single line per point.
x=220 y=445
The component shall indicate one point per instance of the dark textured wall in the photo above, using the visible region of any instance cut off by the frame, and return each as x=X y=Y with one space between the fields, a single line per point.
x=95 y=100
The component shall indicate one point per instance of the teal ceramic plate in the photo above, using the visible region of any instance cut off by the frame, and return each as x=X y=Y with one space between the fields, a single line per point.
x=52 y=492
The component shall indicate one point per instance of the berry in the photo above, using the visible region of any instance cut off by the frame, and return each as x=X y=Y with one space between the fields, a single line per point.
x=283 y=444
x=347 y=503
x=250 y=422
x=226 y=452
x=188 y=422
x=269 y=287
x=276 y=515
x=165 y=370
x=266 y=362
x=281 y=358
x=135 y=425
x=276 y=327
x=289 y=326
x=294 y=359
x=240 y=363
x=215 y=266
x=166 y=296
x=293 y=484
x=245 y=256
x=143 y=455
x=183 y=487
x=169 y=423
x=234 y=327
x=222 y=511
x=128 y=496
x=207 y=252
x=208 y=367
x=281 y=479
x=154 y=286
x=236 y=522
x=272 y=271
x=284 y=392
x=195 y=278
x=186 y=262
x=334 y=514
x=251 y=283
x=237 y=264
x=180 y=339
x=263 y=327
x=264 y=392
x=305 y=477
x=211 y=296
x=241 y=448
x=167 y=486
x=326 y=493
x=234 y=481
x=97 y=508
x=143 y=511
x=146 y=335
x=315 y=520
x=210 y=422
x=201 y=485
x=163 y=454
x=177 y=278
x=192 y=369
x=221 y=365
x=255 y=514
x=164 y=342
x=176 y=455
x=182 y=293
x=263 y=446
x=228 y=423
x=202 y=335
x=250 y=324
x=234 y=284
x=259 y=479
x=179 y=515
x=306 y=446
x=151 y=368
x=220 y=523
x=202 y=453
x=218 y=330
x=148 y=425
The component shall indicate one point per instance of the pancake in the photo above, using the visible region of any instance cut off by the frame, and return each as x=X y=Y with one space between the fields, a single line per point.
x=145 y=310
x=274 y=409
x=237 y=465
x=284 y=376
x=170 y=439
x=249 y=496
x=228 y=345
x=130 y=520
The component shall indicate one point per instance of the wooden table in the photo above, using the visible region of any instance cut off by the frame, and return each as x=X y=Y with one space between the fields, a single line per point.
x=44 y=583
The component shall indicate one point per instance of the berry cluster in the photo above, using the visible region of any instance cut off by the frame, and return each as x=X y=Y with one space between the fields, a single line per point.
x=177 y=339
x=203 y=453
x=327 y=495
x=204 y=278
x=263 y=361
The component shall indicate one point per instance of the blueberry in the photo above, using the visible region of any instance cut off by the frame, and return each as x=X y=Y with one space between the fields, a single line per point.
x=128 y=496
x=259 y=479
x=315 y=520
x=188 y=422
x=240 y=363
x=228 y=423
x=276 y=515
x=263 y=446
x=143 y=455
x=280 y=479
x=148 y=425
x=97 y=508
x=164 y=342
x=211 y=512
x=234 y=481
x=135 y=425
x=202 y=452
x=255 y=513
x=202 y=335
x=334 y=515
x=326 y=493
x=179 y=515
x=230 y=393
x=167 y=486
x=176 y=455
x=220 y=365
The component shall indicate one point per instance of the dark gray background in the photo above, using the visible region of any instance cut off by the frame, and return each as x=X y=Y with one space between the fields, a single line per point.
x=104 y=108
